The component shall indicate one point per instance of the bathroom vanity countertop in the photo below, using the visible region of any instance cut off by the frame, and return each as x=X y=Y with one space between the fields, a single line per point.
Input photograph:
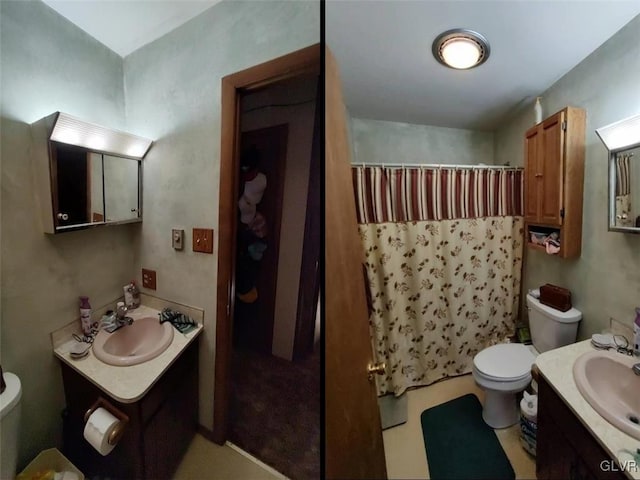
x=126 y=384
x=556 y=366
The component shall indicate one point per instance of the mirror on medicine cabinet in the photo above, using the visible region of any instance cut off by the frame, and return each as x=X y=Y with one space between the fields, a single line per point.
x=622 y=140
x=87 y=175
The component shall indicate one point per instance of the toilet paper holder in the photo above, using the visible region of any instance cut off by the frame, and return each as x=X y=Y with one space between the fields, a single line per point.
x=116 y=434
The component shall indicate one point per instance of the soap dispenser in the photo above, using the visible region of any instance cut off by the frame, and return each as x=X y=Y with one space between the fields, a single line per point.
x=131 y=295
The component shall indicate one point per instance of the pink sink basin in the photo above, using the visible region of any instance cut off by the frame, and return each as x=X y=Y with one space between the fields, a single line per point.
x=144 y=340
x=605 y=379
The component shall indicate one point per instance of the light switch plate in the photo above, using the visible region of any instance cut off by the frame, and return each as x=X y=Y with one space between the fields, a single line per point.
x=203 y=240
x=177 y=239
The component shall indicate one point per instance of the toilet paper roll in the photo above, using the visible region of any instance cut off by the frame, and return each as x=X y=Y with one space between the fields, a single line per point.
x=529 y=407
x=97 y=429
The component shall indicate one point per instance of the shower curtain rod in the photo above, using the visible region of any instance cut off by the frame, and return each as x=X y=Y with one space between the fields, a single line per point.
x=435 y=165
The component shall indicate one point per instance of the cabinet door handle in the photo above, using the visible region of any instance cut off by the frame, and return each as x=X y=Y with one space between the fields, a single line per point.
x=538 y=175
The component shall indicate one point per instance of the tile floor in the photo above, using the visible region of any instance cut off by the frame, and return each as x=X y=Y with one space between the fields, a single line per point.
x=404 y=444
x=206 y=460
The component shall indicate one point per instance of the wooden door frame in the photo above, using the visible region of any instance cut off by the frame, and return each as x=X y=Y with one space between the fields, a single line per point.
x=309 y=283
x=301 y=62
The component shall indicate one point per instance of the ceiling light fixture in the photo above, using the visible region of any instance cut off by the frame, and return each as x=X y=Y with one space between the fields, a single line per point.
x=461 y=49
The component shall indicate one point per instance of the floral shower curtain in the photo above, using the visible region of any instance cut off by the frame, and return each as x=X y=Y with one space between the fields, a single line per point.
x=443 y=254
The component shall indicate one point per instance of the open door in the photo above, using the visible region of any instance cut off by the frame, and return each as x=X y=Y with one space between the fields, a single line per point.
x=353 y=433
x=301 y=62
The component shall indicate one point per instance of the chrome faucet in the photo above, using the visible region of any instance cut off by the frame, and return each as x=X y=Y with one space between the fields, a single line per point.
x=636 y=369
x=121 y=318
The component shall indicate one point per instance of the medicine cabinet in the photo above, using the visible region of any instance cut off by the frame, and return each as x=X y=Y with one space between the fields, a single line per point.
x=622 y=140
x=86 y=175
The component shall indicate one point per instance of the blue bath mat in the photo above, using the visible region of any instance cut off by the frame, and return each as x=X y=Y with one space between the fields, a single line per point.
x=460 y=446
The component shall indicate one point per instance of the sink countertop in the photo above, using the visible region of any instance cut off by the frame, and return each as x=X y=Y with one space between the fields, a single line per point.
x=556 y=366
x=126 y=384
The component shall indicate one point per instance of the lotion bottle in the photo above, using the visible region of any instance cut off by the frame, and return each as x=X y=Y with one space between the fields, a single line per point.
x=128 y=296
x=135 y=294
x=85 y=315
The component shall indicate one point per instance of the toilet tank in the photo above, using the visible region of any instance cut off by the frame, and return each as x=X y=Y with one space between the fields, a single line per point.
x=9 y=426
x=551 y=328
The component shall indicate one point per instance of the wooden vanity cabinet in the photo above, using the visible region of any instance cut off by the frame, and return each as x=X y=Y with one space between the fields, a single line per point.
x=565 y=448
x=161 y=427
x=554 y=177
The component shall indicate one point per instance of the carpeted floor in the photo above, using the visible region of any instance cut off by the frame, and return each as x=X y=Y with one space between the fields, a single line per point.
x=275 y=411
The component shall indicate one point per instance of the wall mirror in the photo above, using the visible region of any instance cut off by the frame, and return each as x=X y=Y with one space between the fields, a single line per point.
x=86 y=175
x=622 y=140
x=90 y=188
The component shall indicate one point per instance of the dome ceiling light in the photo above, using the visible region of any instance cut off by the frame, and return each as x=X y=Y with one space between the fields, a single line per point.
x=461 y=49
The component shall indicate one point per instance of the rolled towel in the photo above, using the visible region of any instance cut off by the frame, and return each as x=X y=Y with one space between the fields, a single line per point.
x=180 y=321
x=254 y=188
x=247 y=210
x=259 y=225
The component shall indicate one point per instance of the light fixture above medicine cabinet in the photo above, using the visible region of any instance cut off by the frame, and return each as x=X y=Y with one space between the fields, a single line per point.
x=86 y=175
x=622 y=140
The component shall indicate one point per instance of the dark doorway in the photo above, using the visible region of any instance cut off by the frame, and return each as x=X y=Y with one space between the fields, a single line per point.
x=275 y=389
x=298 y=64
x=254 y=321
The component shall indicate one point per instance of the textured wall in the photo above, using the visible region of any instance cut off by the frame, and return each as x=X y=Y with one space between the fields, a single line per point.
x=300 y=120
x=48 y=64
x=378 y=141
x=605 y=280
x=173 y=96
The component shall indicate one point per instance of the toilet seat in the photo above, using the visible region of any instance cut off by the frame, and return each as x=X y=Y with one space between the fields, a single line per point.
x=502 y=379
x=509 y=362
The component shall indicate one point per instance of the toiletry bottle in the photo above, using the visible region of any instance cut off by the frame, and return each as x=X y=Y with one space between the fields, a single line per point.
x=128 y=296
x=537 y=108
x=135 y=293
x=85 y=315
x=636 y=333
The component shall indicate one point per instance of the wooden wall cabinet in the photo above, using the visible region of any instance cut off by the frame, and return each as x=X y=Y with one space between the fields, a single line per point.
x=565 y=448
x=160 y=429
x=554 y=177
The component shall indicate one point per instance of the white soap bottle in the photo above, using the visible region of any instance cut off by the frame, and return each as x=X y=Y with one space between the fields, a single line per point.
x=537 y=108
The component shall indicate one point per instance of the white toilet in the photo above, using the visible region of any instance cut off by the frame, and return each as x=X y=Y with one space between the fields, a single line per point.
x=504 y=370
x=10 y=420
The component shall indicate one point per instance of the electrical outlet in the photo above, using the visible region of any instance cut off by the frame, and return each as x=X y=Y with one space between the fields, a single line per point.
x=203 y=240
x=149 y=279
x=177 y=239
